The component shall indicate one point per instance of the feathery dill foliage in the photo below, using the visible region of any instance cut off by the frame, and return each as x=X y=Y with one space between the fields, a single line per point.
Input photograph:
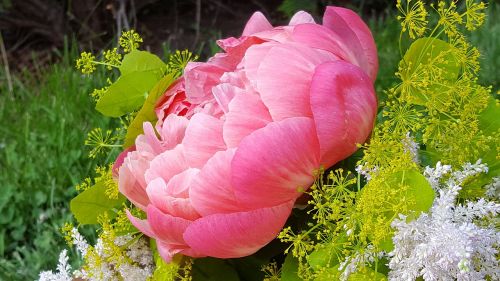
x=438 y=103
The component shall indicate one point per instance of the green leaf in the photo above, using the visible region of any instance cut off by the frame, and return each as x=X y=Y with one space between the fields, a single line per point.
x=367 y=274
x=489 y=118
x=140 y=70
x=289 y=271
x=93 y=202
x=328 y=274
x=489 y=123
x=147 y=114
x=142 y=61
x=420 y=190
x=424 y=50
x=126 y=94
x=418 y=198
x=211 y=269
x=329 y=255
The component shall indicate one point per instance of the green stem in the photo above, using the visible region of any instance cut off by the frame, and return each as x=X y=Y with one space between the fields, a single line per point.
x=105 y=63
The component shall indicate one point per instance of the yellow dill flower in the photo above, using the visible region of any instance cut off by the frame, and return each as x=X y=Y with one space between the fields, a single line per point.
x=474 y=14
x=84 y=185
x=112 y=58
x=414 y=81
x=449 y=18
x=332 y=197
x=67 y=232
x=100 y=141
x=86 y=63
x=105 y=176
x=465 y=54
x=130 y=40
x=413 y=17
x=272 y=272
x=402 y=117
x=114 y=253
x=178 y=61
x=98 y=93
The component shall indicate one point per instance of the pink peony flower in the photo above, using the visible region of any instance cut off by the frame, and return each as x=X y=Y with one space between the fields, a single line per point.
x=240 y=136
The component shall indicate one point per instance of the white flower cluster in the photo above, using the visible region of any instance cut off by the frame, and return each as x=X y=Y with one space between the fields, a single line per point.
x=433 y=175
x=493 y=189
x=448 y=243
x=63 y=270
x=411 y=146
x=360 y=259
x=366 y=172
x=139 y=252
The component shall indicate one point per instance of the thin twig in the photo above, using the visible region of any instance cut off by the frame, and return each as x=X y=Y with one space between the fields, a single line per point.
x=6 y=66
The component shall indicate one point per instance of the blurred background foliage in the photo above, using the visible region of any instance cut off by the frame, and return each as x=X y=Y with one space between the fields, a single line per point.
x=45 y=110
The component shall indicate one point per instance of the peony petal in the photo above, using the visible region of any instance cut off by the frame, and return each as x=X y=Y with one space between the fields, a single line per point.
x=246 y=114
x=344 y=107
x=120 y=159
x=224 y=93
x=237 y=234
x=301 y=17
x=200 y=78
x=257 y=22
x=129 y=186
x=177 y=207
x=173 y=130
x=152 y=138
x=253 y=58
x=203 y=138
x=167 y=164
x=272 y=164
x=165 y=227
x=356 y=34
x=173 y=101
x=281 y=34
x=167 y=251
x=211 y=191
x=142 y=225
x=178 y=185
x=283 y=82
x=131 y=181
x=320 y=37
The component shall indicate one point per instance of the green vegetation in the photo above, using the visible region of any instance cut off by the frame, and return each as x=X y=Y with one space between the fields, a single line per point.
x=45 y=121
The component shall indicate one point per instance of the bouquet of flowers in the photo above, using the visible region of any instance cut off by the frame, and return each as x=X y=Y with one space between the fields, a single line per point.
x=275 y=159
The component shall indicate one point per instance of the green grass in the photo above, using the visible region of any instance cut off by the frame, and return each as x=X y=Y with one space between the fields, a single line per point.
x=487 y=40
x=44 y=123
x=42 y=157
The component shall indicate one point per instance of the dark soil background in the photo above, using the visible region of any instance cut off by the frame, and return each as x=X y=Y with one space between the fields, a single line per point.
x=32 y=29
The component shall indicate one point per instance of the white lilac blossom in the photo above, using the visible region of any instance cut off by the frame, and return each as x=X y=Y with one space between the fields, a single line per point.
x=79 y=242
x=411 y=146
x=366 y=172
x=434 y=174
x=63 y=272
x=98 y=269
x=448 y=243
x=360 y=259
x=493 y=189
x=139 y=252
